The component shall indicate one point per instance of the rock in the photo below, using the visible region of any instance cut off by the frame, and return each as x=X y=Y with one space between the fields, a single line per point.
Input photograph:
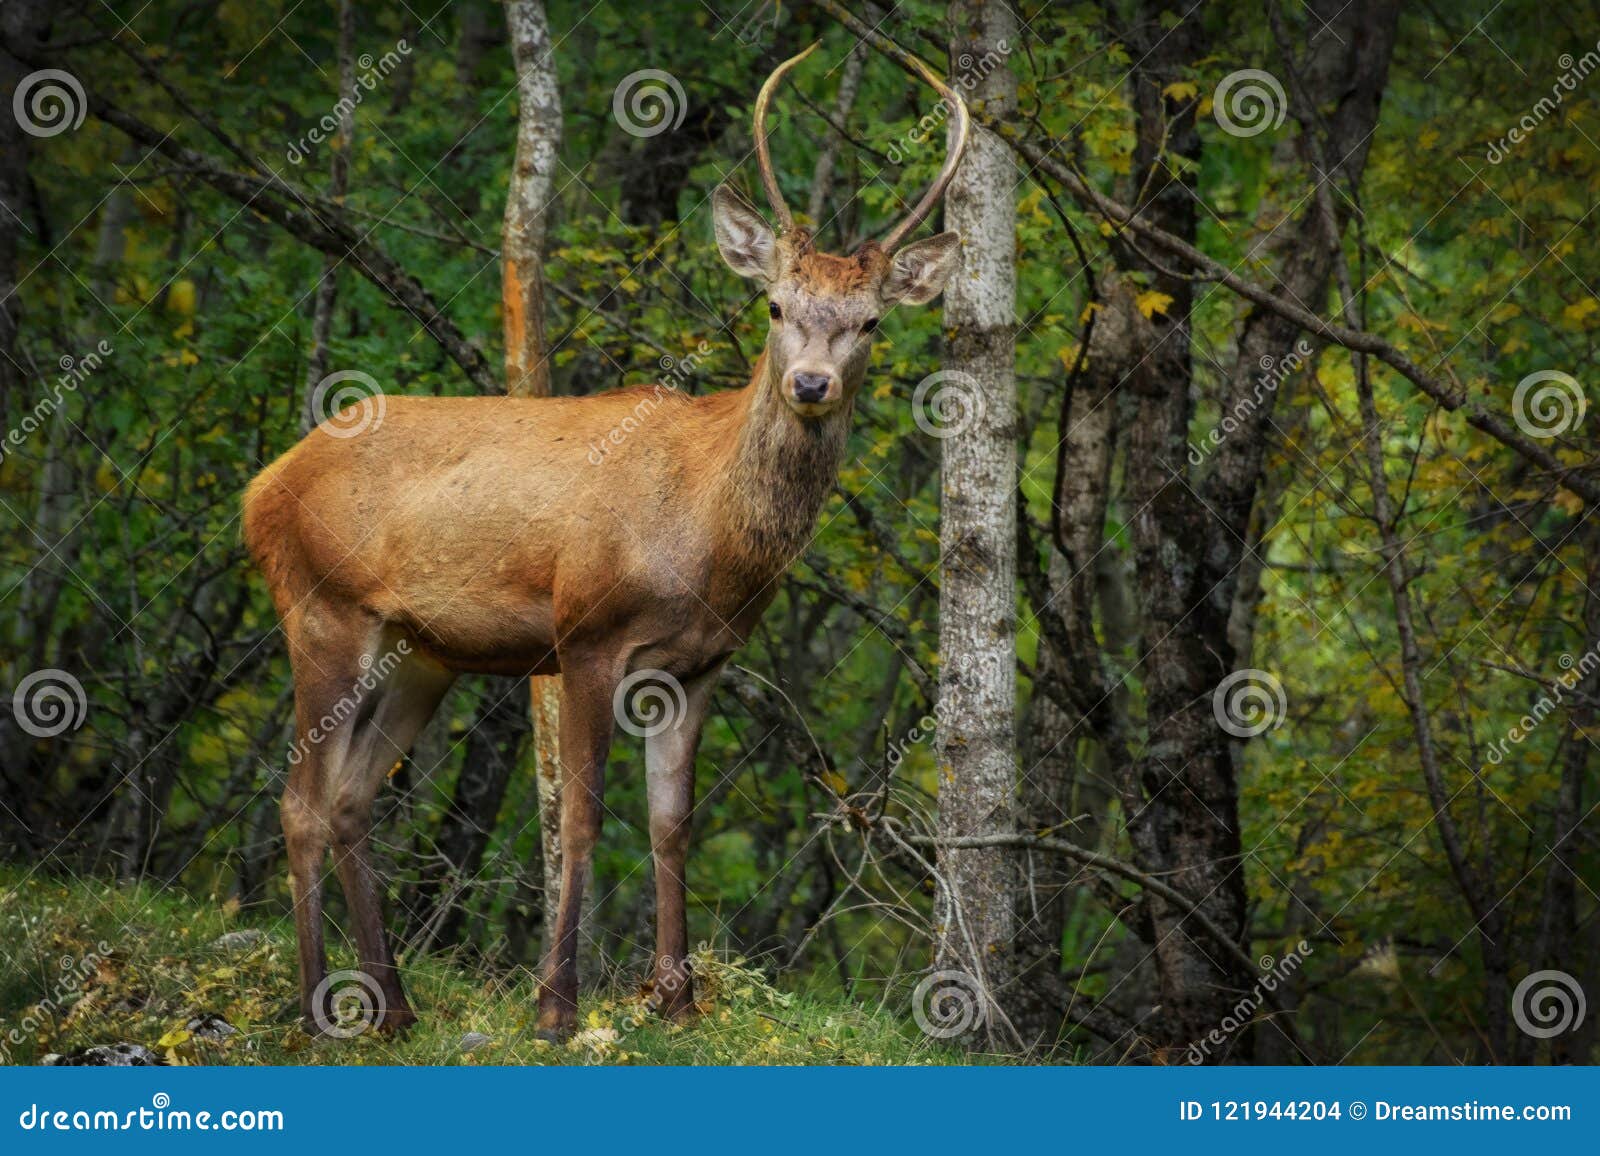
x=241 y=940
x=120 y=1055
x=472 y=1041
x=210 y=1026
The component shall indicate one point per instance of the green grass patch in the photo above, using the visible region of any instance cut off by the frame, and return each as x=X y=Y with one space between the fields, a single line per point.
x=90 y=962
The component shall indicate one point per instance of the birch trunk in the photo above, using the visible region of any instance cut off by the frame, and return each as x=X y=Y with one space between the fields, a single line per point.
x=527 y=360
x=974 y=906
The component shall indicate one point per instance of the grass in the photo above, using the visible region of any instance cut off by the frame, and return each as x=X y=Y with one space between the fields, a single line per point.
x=90 y=962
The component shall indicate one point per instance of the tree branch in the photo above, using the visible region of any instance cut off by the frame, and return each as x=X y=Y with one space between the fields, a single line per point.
x=316 y=222
x=1446 y=393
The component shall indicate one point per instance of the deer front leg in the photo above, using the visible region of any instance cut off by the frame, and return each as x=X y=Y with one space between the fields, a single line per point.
x=586 y=729
x=669 y=768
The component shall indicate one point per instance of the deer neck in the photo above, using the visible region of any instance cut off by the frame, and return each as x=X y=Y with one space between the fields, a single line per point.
x=779 y=472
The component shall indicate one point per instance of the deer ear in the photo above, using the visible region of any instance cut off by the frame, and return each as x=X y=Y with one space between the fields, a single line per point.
x=919 y=271
x=748 y=246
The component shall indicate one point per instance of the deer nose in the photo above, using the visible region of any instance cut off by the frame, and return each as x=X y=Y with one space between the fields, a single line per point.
x=811 y=387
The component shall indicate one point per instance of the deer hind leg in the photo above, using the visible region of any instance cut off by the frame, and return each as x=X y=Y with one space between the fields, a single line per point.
x=353 y=695
x=316 y=639
x=393 y=711
x=669 y=770
x=587 y=684
x=305 y=834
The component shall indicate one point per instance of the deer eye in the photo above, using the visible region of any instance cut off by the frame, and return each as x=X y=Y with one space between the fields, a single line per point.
x=773 y=311
x=869 y=325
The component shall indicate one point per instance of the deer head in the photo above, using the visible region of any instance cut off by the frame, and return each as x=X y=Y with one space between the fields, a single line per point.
x=824 y=308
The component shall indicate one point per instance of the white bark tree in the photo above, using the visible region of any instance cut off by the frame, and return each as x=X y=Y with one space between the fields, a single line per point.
x=974 y=908
x=527 y=364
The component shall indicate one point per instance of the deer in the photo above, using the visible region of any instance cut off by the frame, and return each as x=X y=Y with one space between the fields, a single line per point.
x=457 y=535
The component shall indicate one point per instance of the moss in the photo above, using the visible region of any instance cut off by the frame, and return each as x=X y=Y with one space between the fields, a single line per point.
x=89 y=962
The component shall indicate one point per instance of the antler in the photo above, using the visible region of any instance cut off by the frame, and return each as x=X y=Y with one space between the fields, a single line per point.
x=769 y=179
x=958 y=146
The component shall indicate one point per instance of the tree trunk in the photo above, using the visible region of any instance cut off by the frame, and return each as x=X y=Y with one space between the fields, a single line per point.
x=527 y=360
x=21 y=20
x=493 y=749
x=974 y=906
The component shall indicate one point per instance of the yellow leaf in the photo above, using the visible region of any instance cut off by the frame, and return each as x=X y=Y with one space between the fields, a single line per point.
x=1180 y=90
x=180 y=297
x=1579 y=310
x=173 y=1038
x=1150 y=302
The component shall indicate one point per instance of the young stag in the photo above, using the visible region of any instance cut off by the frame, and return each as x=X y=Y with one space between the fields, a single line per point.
x=487 y=534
